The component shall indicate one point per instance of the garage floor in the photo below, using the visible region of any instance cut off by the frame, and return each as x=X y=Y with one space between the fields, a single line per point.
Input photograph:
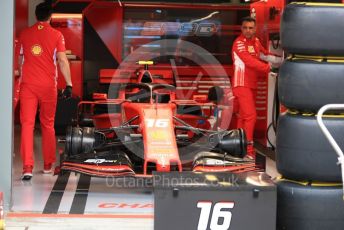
x=73 y=201
x=57 y=201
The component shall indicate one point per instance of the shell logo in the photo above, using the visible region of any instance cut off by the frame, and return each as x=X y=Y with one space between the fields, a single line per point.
x=158 y=135
x=36 y=50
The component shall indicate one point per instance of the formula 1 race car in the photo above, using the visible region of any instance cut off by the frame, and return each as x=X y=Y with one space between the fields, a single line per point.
x=145 y=129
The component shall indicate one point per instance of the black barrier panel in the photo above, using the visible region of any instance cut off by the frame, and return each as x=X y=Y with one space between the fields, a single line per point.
x=214 y=201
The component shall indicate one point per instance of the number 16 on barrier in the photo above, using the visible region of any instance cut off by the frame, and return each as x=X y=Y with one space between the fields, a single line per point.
x=214 y=213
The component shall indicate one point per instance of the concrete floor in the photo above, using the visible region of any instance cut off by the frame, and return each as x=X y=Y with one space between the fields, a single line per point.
x=108 y=203
x=82 y=203
x=77 y=223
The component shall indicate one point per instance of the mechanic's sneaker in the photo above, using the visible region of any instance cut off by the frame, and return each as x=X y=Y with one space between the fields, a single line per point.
x=27 y=172
x=251 y=152
x=48 y=168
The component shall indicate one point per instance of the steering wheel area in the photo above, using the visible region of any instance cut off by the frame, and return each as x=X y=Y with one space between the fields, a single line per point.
x=148 y=93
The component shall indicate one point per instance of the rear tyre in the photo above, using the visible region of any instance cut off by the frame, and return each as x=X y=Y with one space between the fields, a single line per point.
x=313 y=29
x=304 y=207
x=303 y=152
x=307 y=85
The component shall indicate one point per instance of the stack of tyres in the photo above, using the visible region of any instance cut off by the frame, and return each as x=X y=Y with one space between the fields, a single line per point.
x=310 y=195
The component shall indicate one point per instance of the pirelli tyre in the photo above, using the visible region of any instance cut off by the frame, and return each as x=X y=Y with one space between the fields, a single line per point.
x=302 y=150
x=309 y=207
x=313 y=29
x=307 y=85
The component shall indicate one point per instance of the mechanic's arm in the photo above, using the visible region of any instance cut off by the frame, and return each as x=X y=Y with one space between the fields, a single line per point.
x=266 y=56
x=249 y=60
x=64 y=67
x=19 y=58
x=17 y=72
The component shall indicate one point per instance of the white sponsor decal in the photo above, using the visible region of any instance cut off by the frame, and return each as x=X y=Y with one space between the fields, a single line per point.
x=157 y=123
x=99 y=161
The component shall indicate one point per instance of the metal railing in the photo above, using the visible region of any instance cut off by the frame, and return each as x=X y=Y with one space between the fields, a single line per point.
x=328 y=135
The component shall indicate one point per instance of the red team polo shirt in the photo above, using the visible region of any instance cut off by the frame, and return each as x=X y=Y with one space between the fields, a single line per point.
x=39 y=45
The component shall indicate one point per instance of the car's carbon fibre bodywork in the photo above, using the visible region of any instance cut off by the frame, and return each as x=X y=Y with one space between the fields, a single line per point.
x=147 y=129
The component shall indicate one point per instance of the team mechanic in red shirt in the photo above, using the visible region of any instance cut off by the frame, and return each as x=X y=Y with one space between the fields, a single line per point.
x=40 y=45
x=246 y=53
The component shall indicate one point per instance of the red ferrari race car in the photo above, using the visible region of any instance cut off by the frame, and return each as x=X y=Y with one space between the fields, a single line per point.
x=145 y=129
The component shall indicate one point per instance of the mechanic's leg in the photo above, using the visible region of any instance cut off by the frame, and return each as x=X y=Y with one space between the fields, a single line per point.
x=28 y=107
x=48 y=100
x=247 y=113
x=240 y=121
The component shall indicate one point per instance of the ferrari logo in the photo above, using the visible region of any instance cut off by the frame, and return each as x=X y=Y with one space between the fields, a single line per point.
x=36 y=50
x=40 y=27
x=250 y=49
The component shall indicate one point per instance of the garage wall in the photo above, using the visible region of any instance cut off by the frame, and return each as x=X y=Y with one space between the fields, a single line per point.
x=6 y=84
